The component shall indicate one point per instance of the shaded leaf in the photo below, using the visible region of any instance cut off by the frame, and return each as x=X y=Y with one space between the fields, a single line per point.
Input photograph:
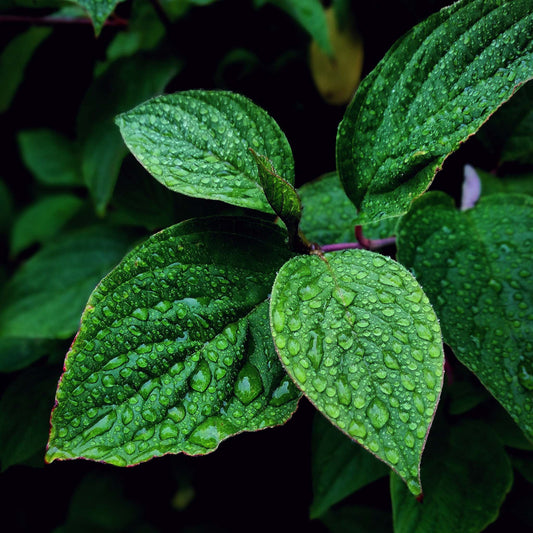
x=328 y=215
x=42 y=220
x=24 y=409
x=466 y=475
x=14 y=59
x=16 y=354
x=434 y=88
x=310 y=15
x=174 y=353
x=197 y=143
x=357 y=335
x=476 y=268
x=51 y=157
x=365 y=519
x=6 y=207
x=45 y=297
x=339 y=467
x=124 y=84
x=490 y=184
x=98 y=11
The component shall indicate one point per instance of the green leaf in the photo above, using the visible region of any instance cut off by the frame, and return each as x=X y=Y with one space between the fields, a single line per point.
x=328 y=215
x=14 y=59
x=435 y=88
x=357 y=335
x=6 y=207
x=46 y=296
x=42 y=220
x=466 y=475
x=280 y=194
x=145 y=30
x=16 y=354
x=310 y=15
x=476 y=268
x=174 y=353
x=490 y=184
x=124 y=84
x=98 y=11
x=365 y=519
x=197 y=143
x=51 y=158
x=24 y=409
x=339 y=467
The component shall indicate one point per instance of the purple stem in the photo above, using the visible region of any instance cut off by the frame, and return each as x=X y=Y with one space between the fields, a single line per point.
x=373 y=245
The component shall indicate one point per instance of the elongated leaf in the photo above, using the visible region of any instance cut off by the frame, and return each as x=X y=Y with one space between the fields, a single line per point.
x=280 y=194
x=52 y=158
x=476 y=268
x=466 y=475
x=99 y=11
x=357 y=335
x=124 y=84
x=340 y=467
x=24 y=407
x=310 y=15
x=197 y=143
x=434 y=89
x=46 y=296
x=14 y=59
x=174 y=353
x=43 y=220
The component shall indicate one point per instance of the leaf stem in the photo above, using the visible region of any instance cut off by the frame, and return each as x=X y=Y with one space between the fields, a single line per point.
x=370 y=245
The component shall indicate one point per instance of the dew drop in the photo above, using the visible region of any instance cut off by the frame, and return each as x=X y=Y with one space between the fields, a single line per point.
x=309 y=292
x=423 y=331
x=127 y=415
x=390 y=361
x=409 y=440
x=102 y=426
x=320 y=383
x=377 y=413
x=357 y=429
x=525 y=378
x=168 y=431
x=392 y=456
x=315 y=351
x=177 y=414
x=248 y=384
x=201 y=379
x=407 y=382
x=209 y=433
x=283 y=393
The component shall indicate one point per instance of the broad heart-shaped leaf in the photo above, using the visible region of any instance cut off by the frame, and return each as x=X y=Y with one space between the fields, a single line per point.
x=476 y=268
x=197 y=143
x=466 y=475
x=174 y=353
x=358 y=336
x=98 y=11
x=435 y=88
x=339 y=466
x=45 y=297
x=280 y=194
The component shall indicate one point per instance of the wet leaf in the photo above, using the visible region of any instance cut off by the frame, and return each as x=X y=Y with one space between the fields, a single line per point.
x=45 y=297
x=52 y=158
x=358 y=336
x=174 y=353
x=339 y=466
x=328 y=215
x=42 y=220
x=280 y=194
x=435 y=88
x=197 y=143
x=466 y=475
x=476 y=268
x=14 y=59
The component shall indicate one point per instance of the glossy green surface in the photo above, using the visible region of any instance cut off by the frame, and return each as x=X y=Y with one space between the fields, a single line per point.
x=174 y=353
x=358 y=336
x=198 y=143
x=476 y=268
x=434 y=88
